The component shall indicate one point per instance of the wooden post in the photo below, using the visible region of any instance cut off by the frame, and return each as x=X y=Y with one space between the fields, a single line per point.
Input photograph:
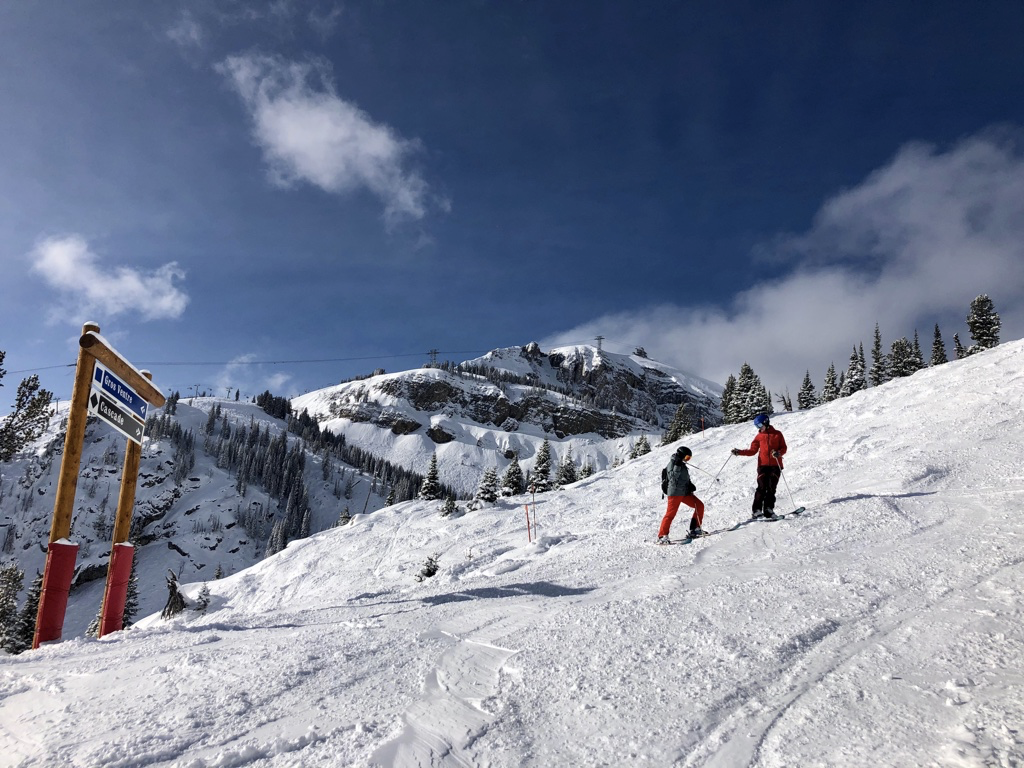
x=54 y=597
x=67 y=483
x=112 y=610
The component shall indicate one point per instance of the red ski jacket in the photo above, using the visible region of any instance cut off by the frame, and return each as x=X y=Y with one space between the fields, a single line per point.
x=763 y=445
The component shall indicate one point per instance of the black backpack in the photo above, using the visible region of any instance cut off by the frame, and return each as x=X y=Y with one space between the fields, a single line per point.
x=664 y=480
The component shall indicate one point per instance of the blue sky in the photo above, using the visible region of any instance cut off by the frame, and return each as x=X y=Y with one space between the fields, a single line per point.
x=226 y=186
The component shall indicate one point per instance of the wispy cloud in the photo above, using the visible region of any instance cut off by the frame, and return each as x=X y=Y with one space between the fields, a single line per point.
x=88 y=288
x=910 y=246
x=309 y=134
x=245 y=374
x=186 y=32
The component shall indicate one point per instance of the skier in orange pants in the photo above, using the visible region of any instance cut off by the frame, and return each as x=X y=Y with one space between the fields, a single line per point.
x=680 y=490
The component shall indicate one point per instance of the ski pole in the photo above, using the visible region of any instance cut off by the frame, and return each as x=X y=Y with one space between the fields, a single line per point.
x=694 y=466
x=796 y=510
x=723 y=467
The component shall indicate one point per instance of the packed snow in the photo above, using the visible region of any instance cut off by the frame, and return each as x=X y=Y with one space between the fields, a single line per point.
x=883 y=626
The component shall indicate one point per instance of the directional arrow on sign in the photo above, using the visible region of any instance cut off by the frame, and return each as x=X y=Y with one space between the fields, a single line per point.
x=120 y=419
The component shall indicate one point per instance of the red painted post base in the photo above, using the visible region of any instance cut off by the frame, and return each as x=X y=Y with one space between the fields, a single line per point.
x=118 y=577
x=53 y=601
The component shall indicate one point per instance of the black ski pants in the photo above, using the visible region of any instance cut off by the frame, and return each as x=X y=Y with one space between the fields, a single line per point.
x=767 y=482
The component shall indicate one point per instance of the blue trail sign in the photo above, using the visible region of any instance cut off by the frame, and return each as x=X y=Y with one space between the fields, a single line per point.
x=110 y=385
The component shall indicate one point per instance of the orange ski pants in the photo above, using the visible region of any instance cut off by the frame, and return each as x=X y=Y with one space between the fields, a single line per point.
x=673 y=507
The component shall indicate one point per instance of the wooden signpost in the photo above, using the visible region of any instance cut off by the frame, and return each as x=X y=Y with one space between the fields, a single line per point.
x=118 y=394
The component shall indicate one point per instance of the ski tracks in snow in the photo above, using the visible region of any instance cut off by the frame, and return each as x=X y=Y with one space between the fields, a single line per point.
x=832 y=677
x=458 y=702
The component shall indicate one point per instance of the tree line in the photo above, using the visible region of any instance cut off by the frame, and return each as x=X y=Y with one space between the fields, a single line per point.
x=744 y=397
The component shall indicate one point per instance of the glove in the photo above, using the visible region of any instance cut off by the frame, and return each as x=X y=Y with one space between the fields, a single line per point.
x=775 y=454
x=735 y=451
x=690 y=489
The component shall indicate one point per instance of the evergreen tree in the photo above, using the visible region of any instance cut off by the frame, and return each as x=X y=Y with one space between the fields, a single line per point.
x=682 y=424
x=512 y=481
x=24 y=631
x=961 y=353
x=202 y=599
x=488 y=490
x=984 y=324
x=901 y=358
x=567 y=473
x=640 y=448
x=541 y=479
x=93 y=630
x=854 y=380
x=830 y=389
x=727 y=396
x=278 y=538
x=879 y=373
x=938 y=348
x=11 y=580
x=917 y=358
x=587 y=469
x=807 y=397
x=391 y=498
x=749 y=397
x=431 y=488
x=449 y=507
x=30 y=417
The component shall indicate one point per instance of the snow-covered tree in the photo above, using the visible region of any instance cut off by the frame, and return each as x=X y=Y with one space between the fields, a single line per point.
x=901 y=358
x=278 y=538
x=29 y=419
x=918 y=357
x=807 y=397
x=640 y=448
x=431 y=488
x=567 y=473
x=541 y=478
x=854 y=379
x=487 y=491
x=682 y=424
x=20 y=638
x=958 y=348
x=512 y=480
x=449 y=508
x=830 y=389
x=938 y=348
x=727 y=396
x=11 y=580
x=879 y=373
x=984 y=324
x=202 y=599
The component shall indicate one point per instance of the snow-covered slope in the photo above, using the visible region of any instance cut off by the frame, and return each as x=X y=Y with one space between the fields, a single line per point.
x=882 y=627
x=194 y=527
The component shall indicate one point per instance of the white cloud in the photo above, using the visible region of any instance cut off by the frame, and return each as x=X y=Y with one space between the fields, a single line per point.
x=89 y=289
x=246 y=374
x=309 y=134
x=909 y=247
x=186 y=32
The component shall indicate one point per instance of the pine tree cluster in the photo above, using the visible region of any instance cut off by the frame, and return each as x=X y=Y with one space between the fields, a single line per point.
x=904 y=357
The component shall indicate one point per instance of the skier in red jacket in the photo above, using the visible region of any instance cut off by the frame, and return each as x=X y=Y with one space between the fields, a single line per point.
x=770 y=446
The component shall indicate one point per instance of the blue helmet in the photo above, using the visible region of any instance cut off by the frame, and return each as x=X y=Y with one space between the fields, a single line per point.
x=760 y=420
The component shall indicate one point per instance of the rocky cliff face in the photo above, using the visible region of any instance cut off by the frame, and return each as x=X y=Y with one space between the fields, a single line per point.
x=570 y=391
